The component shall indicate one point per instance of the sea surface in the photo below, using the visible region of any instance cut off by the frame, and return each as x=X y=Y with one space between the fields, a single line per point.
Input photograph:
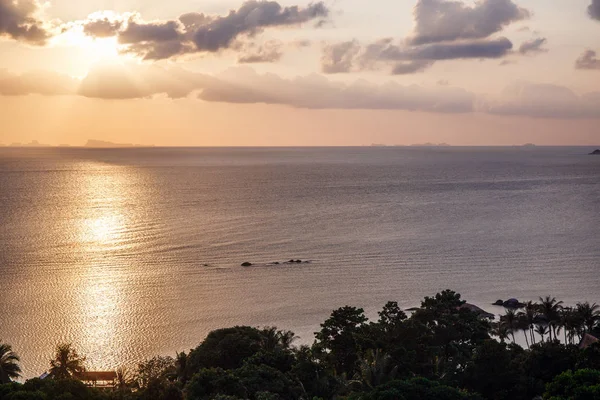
x=129 y=253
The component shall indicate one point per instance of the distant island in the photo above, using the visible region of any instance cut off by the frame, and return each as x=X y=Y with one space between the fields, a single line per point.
x=105 y=144
x=595 y=152
x=33 y=143
x=428 y=144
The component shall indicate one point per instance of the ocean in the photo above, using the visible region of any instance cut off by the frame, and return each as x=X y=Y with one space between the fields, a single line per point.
x=134 y=252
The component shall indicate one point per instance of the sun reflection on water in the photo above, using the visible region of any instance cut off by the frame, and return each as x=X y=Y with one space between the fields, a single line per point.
x=104 y=219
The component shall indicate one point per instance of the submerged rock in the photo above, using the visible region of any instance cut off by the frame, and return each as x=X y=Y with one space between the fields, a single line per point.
x=246 y=264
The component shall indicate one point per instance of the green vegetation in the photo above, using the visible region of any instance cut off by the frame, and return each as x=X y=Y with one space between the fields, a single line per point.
x=441 y=351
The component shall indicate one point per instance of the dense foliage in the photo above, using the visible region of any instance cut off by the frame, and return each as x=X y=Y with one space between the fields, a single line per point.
x=443 y=350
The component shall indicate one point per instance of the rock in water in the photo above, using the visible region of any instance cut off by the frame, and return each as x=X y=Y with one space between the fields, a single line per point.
x=498 y=303
x=595 y=152
x=246 y=264
x=513 y=303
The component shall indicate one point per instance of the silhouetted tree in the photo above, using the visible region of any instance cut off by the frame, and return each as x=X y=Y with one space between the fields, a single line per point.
x=9 y=364
x=336 y=341
x=67 y=363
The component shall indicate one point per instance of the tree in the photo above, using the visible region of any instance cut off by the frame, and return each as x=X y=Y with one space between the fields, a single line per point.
x=449 y=333
x=529 y=316
x=67 y=363
x=541 y=330
x=492 y=372
x=510 y=321
x=181 y=366
x=337 y=339
x=9 y=364
x=583 y=384
x=157 y=369
x=376 y=368
x=124 y=380
x=273 y=339
x=589 y=314
x=226 y=348
x=416 y=389
x=211 y=382
x=550 y=310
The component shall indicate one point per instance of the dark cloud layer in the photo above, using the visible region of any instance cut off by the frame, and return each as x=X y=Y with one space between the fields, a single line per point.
x=588 y=60
x=197 y=32
x=594 y=10
x=440 y=20
x=444 y=30
x=102 y=28
x=251 y=18
x=18 y=21
x=155 y=32
x=350 y=56
x=533 y=46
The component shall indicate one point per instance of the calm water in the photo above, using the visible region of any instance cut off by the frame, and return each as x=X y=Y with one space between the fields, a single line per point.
x=135 y=252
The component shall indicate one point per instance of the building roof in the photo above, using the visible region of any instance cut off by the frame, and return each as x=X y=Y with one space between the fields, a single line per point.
x=98 y=376
x=587 y=341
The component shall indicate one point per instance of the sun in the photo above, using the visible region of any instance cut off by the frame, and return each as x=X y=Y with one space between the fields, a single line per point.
x=105 y=49
x=93 y=49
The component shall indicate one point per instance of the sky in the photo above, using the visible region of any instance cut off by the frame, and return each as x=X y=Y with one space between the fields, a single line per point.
x=299 y=73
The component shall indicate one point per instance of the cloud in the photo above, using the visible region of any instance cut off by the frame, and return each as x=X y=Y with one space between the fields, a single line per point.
x=444 y=30
x=37 y=82
x=410 y=67
x=251 y=18
x=242 y=85
x=102 y=28
x=317 y=92
x=339 y=57
x=442 y=21
x=268 y=52
x=533 y=46
x=140 y=81
x=543 y=101
x=18 y=21
x=493 y=48
x=150 y=32
x=197 y=32
x=594 y=10
x=588 y=60
x=351 y=56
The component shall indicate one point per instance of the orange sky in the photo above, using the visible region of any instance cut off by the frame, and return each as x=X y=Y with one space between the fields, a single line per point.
x=491 y=72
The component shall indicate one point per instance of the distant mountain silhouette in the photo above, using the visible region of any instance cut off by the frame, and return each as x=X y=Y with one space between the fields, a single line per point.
x=428 y=144
x=104 y=144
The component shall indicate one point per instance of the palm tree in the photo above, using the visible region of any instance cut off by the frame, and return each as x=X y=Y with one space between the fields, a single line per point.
x=550 y=309
x=67 y=363
x=9 y=367
x=510 y=321
x=529 y=316
x=541 y=330
x=376 y=368
x=273 y=338
x=124 y=380
x=589 y=314
x=500 y=330
x=181 y=366
x=523 y=324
